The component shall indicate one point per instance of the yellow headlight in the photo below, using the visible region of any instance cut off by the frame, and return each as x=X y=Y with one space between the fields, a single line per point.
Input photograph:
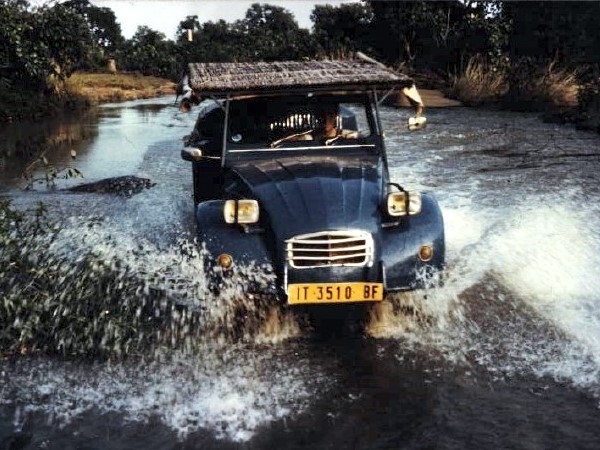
x=397 y=203
x=241 y=211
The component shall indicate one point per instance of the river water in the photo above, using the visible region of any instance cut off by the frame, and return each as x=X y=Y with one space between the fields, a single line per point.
x=506 y=354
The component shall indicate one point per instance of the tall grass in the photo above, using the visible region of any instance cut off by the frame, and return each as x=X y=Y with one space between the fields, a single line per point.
x=559 y=86
x=524 y=86
x=541 y=88
x=479 y=84
x=105 y=87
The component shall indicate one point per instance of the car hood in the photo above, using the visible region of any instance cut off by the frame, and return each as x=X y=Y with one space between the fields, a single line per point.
x=303 y=195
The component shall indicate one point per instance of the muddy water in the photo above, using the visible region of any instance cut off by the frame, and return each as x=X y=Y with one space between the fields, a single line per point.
x=506 y=354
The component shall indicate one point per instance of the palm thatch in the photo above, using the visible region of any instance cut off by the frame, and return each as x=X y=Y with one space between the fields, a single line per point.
x=260 y=77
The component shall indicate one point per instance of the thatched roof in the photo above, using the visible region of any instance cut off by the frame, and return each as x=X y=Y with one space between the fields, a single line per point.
x=261 y=77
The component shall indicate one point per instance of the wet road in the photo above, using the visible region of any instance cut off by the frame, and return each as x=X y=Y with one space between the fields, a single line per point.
x=505 y=355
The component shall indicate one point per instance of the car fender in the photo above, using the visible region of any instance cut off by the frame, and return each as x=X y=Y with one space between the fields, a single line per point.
x=401 y=265
x=219 y=237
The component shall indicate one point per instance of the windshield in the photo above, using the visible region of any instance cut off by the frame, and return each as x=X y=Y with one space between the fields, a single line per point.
x=298 y=121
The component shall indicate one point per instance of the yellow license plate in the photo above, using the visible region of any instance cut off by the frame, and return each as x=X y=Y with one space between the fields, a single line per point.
x=299 y=294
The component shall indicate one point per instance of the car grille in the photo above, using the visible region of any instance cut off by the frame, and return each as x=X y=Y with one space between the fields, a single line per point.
x=330 y=248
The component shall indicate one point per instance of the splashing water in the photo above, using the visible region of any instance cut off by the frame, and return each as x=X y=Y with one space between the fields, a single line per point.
x=518 y=295
x=213 y=391
x=197 y=359
x=88 y=288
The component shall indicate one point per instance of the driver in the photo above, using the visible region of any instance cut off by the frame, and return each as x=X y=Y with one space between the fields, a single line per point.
x=326 y=132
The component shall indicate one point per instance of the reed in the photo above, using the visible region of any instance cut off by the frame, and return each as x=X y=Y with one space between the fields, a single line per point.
x=524 y=86
x=541 y=88
x=559 y=86
x=479 y=84
x=105 y=87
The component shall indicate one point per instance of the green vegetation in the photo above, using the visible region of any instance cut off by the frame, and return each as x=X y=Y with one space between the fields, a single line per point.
x=58 y=295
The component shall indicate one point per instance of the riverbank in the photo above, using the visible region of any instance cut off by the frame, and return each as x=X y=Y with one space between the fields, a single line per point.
x=103 y=87
x=559 y=95
x=79 y=92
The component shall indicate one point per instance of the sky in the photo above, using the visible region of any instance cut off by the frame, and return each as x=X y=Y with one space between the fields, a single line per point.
x=165 y=15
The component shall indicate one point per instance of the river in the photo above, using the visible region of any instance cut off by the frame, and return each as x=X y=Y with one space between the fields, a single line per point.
x=506 y=354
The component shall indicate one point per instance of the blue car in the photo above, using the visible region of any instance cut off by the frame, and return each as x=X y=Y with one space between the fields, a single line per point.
x=290 y=171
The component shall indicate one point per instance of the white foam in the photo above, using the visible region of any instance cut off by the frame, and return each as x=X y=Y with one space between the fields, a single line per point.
x=542 y=255
x=550 y=257
x=229 y=394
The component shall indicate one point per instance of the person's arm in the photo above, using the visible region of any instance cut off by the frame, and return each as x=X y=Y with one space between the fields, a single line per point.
x=303 y=136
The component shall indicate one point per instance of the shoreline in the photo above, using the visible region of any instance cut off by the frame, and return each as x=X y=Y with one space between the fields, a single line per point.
x=80 y=92
x=98 y=88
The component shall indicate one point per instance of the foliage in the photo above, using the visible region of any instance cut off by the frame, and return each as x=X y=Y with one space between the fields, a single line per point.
x=402 y=29
x=343 y=28
x=588 y=112
x=102 y=23
x=438 y=35
x=537 y=87
x=150 y=53
x=45 y=42
x=105 y=30
x=211 y=41
x=565 y=31
x=267 y=33
x=40 y=305
x=272 y=34
x=51 y=173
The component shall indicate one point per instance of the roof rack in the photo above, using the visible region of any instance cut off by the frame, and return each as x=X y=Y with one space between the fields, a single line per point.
x=283 y=77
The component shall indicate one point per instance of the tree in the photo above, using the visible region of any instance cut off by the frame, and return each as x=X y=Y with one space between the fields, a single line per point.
x=212 y=42
x=149 y=52
x=565 y=30
x=43 y=42
x=105 y=30
x=267 y=33
x=271 y=33
x=339 y=29
x=439 y=35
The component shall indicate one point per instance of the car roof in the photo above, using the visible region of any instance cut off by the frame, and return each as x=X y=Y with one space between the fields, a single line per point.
x=290 y=77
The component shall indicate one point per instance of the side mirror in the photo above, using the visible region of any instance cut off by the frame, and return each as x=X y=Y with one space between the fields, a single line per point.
x=196 y=154
x=191 y=154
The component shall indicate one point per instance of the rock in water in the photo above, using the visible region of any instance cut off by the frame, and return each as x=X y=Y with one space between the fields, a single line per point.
x=125 y=186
